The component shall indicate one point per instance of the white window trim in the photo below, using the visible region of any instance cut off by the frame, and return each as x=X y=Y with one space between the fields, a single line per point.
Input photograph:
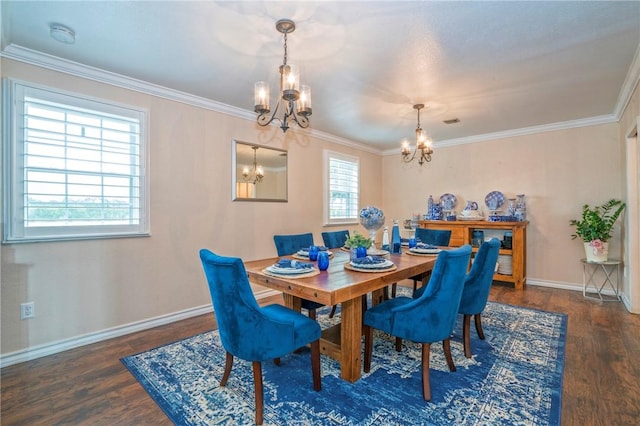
x=327 y=154
x=14 y=231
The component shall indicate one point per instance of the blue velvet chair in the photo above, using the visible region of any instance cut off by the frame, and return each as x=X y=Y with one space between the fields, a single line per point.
x=427 y=319
x=436 y=237
x=477 y=285
x=335 y=239
x=289 y=244
x=253 y=333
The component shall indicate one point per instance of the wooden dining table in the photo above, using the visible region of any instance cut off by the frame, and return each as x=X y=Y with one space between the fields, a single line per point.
x=339 y=285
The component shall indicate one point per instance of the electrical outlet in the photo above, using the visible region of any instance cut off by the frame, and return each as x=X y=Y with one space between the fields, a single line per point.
x=27 y=310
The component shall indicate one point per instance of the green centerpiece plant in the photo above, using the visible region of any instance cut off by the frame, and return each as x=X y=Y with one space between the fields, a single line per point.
x=358 y=240
x=595 y=228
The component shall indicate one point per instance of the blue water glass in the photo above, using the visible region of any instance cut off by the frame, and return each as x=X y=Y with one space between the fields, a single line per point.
x=361 y=252
x=412 y=242
x=323 y=260
x=313 y=252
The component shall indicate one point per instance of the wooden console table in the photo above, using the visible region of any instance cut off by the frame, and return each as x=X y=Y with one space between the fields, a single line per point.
x=462 y=233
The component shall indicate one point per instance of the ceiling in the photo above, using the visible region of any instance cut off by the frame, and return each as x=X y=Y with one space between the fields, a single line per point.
x=496 y=66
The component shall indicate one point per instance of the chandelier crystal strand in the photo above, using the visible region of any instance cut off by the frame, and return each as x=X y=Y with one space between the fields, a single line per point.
x=424 y=145
x=296 y=98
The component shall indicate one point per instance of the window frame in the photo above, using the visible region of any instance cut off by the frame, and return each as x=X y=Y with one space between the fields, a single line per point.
x=328 y=220
x=14 y=229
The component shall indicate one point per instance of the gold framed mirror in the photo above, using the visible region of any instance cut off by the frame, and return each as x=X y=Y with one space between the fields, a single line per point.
x=259 y=173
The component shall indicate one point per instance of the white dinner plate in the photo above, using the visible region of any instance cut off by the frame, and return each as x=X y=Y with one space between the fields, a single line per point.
x=382 y=265
x=288 y=271
x=425 y=251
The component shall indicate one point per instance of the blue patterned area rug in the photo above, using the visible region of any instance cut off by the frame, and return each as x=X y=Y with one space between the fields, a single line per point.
x=514 y=377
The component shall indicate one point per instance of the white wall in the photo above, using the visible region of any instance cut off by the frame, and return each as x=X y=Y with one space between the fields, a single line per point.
x=87 y=286
x=558 y=172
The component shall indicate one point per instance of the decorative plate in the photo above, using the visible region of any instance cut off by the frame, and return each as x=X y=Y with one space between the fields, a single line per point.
x=385 y=264
x=448 y=201
x=494 y=200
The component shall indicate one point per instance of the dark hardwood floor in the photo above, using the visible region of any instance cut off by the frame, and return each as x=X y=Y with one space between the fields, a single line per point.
x=89 y=385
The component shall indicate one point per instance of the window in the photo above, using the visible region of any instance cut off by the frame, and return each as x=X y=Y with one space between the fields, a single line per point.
x=74 y=167
x=341 y=188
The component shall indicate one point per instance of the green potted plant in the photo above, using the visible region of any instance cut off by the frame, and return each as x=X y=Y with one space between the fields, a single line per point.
x=357 y=241
x=596 y=226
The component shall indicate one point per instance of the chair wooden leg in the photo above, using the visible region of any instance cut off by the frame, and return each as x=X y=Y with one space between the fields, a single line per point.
x=446 y=347
x=315 y=365
x=398 y=344
x=333 y=311
x=466 y=338
x=227 y=369
x=394 y=288
x=478 y=321
x=426 y=386
x=312 y=314
x=368 y=347
x=276 y=361
x=257 y=381
x=365 y=303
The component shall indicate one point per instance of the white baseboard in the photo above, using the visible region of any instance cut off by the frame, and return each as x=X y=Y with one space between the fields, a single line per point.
x=39 y=351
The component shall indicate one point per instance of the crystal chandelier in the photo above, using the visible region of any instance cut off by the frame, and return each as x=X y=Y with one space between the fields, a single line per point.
x=424 y=145
x=295 y=99
x=257 y=173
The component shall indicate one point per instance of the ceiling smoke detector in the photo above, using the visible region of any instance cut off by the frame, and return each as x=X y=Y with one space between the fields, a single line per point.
x=62 y=33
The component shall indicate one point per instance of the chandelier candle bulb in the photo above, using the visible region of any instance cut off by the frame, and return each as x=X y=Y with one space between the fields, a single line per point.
x=261 y=97
x=290 y=82
x=406 y=149
x=304 y=103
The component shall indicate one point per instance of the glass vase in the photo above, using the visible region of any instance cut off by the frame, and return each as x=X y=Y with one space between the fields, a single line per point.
x=521 y=208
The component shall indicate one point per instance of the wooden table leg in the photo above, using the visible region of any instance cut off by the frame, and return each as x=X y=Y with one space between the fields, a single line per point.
x=292 y=302
x=350 y=339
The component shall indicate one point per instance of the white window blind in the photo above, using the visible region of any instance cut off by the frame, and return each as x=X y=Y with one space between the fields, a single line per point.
x=76 y=167
x=342 y=188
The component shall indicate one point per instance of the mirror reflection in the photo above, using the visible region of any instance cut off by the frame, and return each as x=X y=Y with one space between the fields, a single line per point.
x=259 y=173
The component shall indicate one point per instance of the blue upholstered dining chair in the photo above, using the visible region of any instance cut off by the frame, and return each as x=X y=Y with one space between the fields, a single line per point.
x=335 y=239
x=250 y=332
x=290 y=244
x=475 y=294
x=436 y=237
x=429 y=318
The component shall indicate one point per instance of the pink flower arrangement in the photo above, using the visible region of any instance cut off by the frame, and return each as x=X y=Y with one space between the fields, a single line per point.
x=598 y=247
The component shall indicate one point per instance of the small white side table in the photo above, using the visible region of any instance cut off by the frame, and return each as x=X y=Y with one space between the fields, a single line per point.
x=592 y=288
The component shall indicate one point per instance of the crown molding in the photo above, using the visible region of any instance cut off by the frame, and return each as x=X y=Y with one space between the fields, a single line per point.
x=54 y=63
x=629 y=85
x=593 y=121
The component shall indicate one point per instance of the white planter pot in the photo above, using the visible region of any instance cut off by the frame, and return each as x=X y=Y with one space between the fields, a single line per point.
x=595 y=255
